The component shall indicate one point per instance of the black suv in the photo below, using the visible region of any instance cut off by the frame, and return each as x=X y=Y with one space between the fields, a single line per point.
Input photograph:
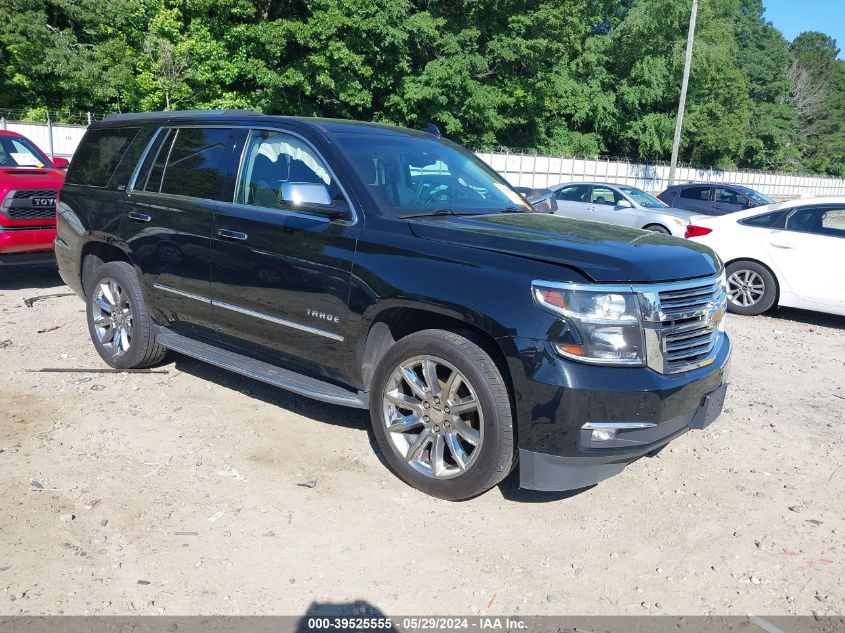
x=378 y=267
x=710 y=198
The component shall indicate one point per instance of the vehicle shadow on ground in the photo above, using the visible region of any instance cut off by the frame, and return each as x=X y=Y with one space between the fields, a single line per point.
x=322 y=412
x=42 y=276
x=809 y=317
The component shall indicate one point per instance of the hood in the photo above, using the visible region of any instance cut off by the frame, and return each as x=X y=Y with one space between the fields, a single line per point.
x=31 y=178
x=602 y=252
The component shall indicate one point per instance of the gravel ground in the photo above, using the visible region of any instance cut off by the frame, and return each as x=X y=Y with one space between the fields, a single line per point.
x=198 y=491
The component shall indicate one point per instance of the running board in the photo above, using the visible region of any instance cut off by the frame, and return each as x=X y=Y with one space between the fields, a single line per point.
x=259 y=370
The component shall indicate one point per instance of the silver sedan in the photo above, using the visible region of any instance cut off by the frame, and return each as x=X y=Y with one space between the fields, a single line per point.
x=619 y=204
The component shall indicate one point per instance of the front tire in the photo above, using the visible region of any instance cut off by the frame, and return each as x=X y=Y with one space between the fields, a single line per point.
x=442 y=415
x=752 y=289
x=118 y=320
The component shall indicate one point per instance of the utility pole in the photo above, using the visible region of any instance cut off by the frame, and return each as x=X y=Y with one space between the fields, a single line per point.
x=679 y=121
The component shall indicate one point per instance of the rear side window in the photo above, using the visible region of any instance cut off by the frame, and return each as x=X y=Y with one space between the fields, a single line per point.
x=186 y=162
x=696 y=193
x=197 y=162
x=99 y=155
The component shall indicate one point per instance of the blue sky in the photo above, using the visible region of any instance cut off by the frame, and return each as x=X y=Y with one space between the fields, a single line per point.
x=795 y=16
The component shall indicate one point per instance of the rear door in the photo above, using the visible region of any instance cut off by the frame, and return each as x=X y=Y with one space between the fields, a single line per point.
x=168 y=221
x=727 y=200
x=572 y=201
x=695 y=198
x=810 y=253
x=281 y=264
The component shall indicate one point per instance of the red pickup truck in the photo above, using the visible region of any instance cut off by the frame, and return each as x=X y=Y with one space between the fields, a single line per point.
x=29 y=187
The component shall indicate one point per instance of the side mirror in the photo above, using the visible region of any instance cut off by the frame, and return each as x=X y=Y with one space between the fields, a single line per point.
x=307 y=194
x=61 y=163
x=625 y=204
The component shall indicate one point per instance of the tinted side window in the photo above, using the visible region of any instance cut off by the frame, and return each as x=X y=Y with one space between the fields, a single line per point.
x=196 y=163
x=766 y=220
x=99 y=154
x=818 y=220
x=575 y=193
x=696 y=193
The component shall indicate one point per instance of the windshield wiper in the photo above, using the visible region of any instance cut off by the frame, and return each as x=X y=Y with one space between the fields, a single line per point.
x=438 y=212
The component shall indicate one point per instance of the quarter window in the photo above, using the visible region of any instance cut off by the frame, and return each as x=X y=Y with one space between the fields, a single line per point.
x=99 y=154
x=766 y=220
x=280 y=170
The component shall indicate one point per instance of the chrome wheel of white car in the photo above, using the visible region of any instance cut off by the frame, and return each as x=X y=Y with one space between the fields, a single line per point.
x=752 y=288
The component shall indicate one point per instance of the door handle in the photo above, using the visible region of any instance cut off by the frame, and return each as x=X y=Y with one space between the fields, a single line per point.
x=226 y=234
x=785 y=245
x=138 y=217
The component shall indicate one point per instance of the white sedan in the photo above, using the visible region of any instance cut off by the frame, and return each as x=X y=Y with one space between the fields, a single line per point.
x=787 y=253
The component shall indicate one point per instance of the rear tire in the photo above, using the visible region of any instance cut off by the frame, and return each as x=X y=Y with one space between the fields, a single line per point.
x=657 y=228
x=118 y=321
x=752 y=289
x=449 y=412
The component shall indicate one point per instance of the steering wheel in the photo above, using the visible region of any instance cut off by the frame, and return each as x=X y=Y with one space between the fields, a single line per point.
x=438 y=193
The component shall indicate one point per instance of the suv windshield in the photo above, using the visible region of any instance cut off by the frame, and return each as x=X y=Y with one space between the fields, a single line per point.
x=414 y=175
x=642 y=198
x=16 y=151
x=756 y=196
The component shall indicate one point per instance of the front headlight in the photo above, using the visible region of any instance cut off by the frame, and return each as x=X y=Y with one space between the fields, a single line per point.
x=601 y=326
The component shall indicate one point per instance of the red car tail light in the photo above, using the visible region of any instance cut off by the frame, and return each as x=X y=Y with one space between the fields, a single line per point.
x=696 y=231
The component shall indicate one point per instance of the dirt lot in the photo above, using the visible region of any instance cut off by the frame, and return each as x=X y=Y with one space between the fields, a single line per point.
x=180 y=493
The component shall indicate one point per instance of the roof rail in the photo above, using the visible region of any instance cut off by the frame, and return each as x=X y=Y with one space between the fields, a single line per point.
x=132 y=116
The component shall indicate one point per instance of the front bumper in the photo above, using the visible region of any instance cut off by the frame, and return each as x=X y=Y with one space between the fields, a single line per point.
x=556 y=398
x=16 y=241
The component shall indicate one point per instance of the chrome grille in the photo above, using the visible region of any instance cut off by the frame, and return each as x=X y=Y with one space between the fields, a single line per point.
x=682 y=323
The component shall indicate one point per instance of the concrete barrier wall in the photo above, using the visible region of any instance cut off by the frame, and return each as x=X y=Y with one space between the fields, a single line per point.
x=529 y=170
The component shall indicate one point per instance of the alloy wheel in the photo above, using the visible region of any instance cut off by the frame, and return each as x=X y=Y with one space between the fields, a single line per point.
x=112 y=316
x=433 y=417
x=746 y=287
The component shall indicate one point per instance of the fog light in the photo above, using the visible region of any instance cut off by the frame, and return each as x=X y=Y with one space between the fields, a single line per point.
x=604 y=435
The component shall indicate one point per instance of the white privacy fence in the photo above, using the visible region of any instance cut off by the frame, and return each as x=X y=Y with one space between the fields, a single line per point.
x=56 y=140
x=529 y=170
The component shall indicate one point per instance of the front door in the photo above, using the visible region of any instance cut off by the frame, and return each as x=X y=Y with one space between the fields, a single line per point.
x=605 y=207
x=727 y=200
x=282 y=264
x=168 y=221
x=808 y=253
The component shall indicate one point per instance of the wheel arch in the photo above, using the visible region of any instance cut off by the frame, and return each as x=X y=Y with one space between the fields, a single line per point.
x=392 y=324
x=648 y=226
x=94 y=254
